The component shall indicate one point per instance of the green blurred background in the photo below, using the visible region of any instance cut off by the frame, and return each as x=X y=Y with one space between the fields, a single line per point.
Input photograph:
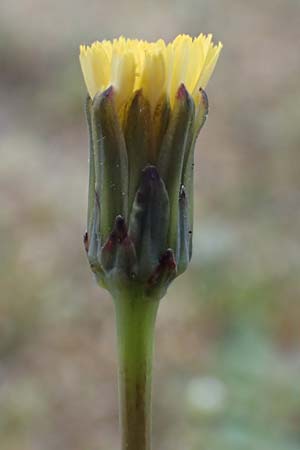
x=227 y=360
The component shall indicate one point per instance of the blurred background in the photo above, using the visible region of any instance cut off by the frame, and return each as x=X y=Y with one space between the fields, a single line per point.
x=227 y=360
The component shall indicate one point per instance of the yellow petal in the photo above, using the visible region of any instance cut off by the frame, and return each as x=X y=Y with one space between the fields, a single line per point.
x=122 y=75
x=210 y=64
x=153 y=77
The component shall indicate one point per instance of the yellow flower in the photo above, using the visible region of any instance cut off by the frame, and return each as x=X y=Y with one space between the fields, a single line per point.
x=145 y=109
x=155 y=67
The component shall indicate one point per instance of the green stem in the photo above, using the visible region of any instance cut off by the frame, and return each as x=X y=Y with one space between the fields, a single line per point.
x=135 y=319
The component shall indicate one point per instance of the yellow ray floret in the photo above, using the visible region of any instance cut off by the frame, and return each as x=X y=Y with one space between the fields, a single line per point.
x=155 y=67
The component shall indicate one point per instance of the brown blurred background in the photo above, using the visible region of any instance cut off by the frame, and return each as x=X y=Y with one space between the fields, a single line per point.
x=227 y=358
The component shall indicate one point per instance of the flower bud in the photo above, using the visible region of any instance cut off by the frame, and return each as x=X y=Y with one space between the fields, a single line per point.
x=142 y=136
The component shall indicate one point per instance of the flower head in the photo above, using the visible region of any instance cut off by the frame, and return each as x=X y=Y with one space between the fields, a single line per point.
x=155 y=67
x=145 y=108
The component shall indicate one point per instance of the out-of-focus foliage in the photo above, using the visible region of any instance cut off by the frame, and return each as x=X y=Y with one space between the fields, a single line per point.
x=227 y=353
